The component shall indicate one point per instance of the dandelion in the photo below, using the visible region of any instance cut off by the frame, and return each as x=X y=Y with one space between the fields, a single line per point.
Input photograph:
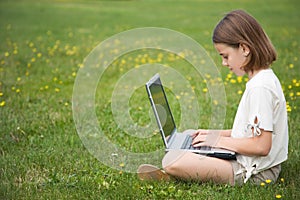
x=122 y=164
x=240 y=92
x=229 y=76
x=31 y=44
x=39 y=55
x=6 y=54
x=66 y=104
x=74 y=74
x=46 y=87
x=288 y=108
x=19 y=79
x=282 y=180
x=15 y=52
x=298 y=93
x=57 y=90
x=33 y=59
x=291 y=65
x=1 y=94
x=232 y=81
x=177 y=97
x=239 y=79
x=278 y=196
x=262 y=184
x=80 y=65
x=204 y=90
x=18 y=90
x=268 y=181
x=291 y=94
x=2 y=103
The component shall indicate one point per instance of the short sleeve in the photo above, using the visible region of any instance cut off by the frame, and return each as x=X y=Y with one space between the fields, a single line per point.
x=260 y=108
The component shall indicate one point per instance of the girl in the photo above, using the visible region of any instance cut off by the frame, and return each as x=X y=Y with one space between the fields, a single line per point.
x=259 y=134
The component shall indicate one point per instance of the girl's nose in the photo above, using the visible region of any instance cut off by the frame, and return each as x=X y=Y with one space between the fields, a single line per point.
x=224 y=63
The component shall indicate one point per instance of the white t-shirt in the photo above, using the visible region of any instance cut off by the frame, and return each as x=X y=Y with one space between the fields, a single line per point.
x=263 y=100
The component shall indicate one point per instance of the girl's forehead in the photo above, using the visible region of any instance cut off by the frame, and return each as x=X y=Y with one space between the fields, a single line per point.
x=220 y=47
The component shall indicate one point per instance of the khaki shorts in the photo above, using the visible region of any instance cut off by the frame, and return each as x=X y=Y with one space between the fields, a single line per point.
x=271 y=174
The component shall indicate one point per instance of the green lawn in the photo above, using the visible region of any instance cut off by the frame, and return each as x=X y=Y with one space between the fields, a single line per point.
x=43 y=45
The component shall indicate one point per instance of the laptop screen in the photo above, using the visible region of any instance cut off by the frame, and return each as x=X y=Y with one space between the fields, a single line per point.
x=162 y=107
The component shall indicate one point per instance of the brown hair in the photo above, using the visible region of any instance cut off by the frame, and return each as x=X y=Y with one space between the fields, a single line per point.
x=238 y=27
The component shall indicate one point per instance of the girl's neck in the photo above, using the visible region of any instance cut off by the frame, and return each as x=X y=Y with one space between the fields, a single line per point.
x=251 y=74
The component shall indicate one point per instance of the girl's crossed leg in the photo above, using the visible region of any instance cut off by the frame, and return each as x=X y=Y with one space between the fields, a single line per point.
x=190 y=166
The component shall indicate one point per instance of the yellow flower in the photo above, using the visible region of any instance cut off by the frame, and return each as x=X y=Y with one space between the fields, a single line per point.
x=39 y=55
x=239 y=79
x=18 y=90
x=288 y=107
x=19 y=78
x=232 y=81
x=282 y=180
x=268 y=181
x=291 y=94
x=56 y=89
x=177 y=97
x=278 y=196
x=291 y=65
x=262 y=184
x=6 y=54
x=122 y=164
x=1 y=94
x=240 y=92
x=204 y=90
x=2 y=103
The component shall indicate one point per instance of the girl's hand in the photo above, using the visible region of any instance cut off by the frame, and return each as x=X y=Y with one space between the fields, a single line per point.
x=199 y=132
x=204 y=137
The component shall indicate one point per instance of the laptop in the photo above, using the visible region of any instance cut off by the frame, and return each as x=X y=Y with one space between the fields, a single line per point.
x=167 y=127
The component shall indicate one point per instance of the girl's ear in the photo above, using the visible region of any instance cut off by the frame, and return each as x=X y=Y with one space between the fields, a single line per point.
x=245 y=49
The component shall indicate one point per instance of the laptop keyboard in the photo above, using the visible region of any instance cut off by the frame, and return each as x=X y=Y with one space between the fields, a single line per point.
x=187 y=144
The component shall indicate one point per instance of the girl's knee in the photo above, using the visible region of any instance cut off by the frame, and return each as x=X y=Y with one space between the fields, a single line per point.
x=172 y=161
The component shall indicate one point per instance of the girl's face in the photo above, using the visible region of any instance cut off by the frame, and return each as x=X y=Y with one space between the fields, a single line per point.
x=233 y=58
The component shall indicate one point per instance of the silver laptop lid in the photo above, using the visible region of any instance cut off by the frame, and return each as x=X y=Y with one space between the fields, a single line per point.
x=160 y=107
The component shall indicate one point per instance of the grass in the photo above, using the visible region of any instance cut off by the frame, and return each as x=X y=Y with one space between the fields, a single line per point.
x=42 y=46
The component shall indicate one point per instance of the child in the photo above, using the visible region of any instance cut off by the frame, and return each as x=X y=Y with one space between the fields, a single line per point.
x=259 y=134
